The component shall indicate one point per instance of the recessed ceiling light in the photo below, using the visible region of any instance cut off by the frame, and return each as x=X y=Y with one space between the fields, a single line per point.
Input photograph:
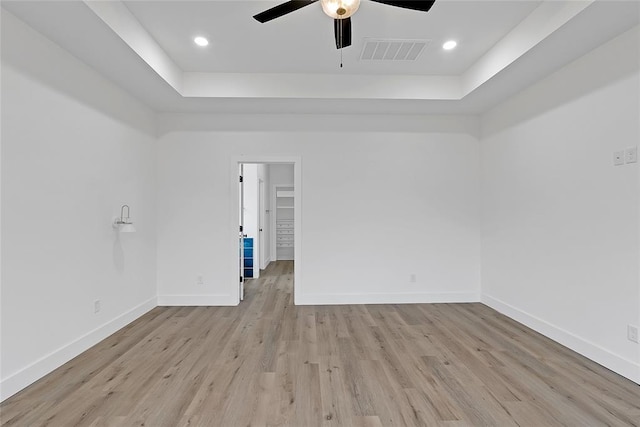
x=449 y=45
x=201 y=41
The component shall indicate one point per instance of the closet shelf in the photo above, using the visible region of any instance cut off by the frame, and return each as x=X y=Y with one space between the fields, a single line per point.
x=284 y=224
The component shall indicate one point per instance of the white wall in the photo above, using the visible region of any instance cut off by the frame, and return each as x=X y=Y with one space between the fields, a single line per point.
x=376 y=207
x=383 y=198
x=265 y=250
x=74 y=149
x=281 y=175
x=560 y=227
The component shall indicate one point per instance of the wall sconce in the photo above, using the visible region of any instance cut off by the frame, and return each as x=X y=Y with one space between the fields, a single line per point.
x=124 y=224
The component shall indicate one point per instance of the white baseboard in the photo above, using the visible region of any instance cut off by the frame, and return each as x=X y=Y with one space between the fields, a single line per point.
x=196 y=300
x=627 y=368
x=30 y=374
x=266 y=262
x=409 y=298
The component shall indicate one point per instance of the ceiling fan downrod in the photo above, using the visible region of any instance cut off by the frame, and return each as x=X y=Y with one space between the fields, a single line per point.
x=340 y=11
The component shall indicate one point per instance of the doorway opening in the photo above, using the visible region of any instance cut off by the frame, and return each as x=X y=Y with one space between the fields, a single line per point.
x=266 y=222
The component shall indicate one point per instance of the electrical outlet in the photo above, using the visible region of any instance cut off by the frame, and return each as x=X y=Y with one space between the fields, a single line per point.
x=200 y=280
x=631 y=155
x=618 y=158
x=412 y=278
x=632 y=333
x=96 y=306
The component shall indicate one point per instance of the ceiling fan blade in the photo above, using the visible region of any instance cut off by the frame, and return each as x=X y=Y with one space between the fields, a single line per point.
x=421 y=5
x=342 y=31
x=282 y=9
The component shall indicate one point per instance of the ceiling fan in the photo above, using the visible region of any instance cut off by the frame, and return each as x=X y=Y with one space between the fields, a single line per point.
x=340 y=11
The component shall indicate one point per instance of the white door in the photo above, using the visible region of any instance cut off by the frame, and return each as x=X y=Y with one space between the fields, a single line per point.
x=261 y=225
x=241 y=234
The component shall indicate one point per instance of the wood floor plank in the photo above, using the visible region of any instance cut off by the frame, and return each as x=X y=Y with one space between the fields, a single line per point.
x=269 y=363
x=263 y=399
x=367 y=421
x=334 y=397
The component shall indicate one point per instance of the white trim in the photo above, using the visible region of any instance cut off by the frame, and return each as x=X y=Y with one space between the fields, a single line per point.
x=273 y=250
x=604 y=357
x=43 y=366
x=401 y=298
x=638 y=282
x=234 y=214
x=196 y=300
x=262 y=217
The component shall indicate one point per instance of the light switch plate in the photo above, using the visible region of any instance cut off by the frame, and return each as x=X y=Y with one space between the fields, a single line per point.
x=631 y=155
x=618 y=158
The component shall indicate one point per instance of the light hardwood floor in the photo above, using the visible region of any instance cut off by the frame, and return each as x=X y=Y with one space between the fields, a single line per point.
x=270 y=363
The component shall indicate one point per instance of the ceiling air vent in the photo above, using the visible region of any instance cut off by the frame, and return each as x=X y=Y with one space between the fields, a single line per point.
x=392 y=50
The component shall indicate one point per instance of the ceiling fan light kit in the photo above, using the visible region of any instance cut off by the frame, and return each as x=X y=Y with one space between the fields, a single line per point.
x=340 y=11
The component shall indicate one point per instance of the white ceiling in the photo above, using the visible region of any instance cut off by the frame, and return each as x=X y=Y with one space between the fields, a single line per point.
x=303 y=41
x=290 y=65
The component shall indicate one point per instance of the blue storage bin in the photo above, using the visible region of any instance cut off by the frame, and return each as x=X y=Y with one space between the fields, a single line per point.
x=248 y=256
